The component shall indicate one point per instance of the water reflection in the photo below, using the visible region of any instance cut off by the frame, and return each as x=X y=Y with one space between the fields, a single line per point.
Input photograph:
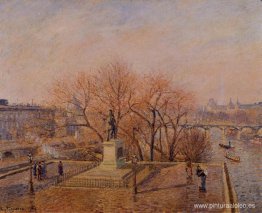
x=245 y=175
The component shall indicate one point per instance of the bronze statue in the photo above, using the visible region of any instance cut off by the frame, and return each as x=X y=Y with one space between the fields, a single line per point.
x=111 y=126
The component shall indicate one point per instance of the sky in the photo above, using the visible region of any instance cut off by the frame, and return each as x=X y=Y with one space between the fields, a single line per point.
x=211 y=47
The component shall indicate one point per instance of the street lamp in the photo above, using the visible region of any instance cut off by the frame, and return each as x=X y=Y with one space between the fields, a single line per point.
x=30 y=159
x=134 y=167
x=31 y=186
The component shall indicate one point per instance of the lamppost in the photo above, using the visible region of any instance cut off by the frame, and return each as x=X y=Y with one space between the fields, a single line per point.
x=30 y=159
x=134 y=138
x=32 y=207
x=31 y=186
x=134 y=167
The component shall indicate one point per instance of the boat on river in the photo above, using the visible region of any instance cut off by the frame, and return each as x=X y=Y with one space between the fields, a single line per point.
x=232 y=157
x=226 y=146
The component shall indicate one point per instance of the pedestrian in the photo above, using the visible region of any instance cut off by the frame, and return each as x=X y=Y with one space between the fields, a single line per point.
x=199 y=170
x=37 y=165
x=203 y=175
x=189 y=169
x=43 y=169
x=45 y=165
x=39 y=171
x=60 y=168
x=35 y=169
x=30 y=157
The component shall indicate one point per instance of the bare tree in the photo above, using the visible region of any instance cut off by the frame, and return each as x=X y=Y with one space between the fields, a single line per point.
x=115 y=85
x=173 y=115
x=130 y=132
x=87 y=98
x=143 y=106
x=149 y=99
x=195 y=146
x=76 y=97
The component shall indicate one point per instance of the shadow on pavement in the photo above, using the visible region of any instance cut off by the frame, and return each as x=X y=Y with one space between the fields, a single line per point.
x=163 y=188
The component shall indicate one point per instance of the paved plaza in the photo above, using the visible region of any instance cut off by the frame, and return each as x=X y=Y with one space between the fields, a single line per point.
x=167 y=190
x=16 y=186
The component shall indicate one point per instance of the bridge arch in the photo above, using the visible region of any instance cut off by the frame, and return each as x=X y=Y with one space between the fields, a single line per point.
x=7 y=155
x=202 y=128
x=217 y=127
x=232 y=128
x=246 y=128
x=259 y=131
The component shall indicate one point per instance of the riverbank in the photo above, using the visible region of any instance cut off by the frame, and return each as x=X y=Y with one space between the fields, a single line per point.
x=246 y=174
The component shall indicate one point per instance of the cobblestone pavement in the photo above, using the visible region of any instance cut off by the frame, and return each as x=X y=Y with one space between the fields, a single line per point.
x=16 y=186
x=166 y=191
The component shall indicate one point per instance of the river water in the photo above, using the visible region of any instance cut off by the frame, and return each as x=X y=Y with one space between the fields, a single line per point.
x=245 y=175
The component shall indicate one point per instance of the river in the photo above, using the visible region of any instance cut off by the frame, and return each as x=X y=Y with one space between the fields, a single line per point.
x=247 y=174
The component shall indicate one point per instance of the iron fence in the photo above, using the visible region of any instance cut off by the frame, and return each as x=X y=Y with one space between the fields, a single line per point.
x=97 y=183
x=59 y=179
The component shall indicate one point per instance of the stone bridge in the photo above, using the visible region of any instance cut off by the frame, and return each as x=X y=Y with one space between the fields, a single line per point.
x=16 y=152
x=256 y=129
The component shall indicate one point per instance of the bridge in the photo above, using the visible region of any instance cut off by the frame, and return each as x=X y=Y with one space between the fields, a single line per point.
x=256 y=129
x=15 y=151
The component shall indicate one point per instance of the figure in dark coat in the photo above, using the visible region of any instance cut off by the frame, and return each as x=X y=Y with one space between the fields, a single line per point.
x=202 y=174
x=39 y=171
x=43 y=169
x=60 y=168
x=30 y=157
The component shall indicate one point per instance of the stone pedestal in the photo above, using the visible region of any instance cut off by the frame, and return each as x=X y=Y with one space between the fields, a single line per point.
x=112 y=172
x=113 y=157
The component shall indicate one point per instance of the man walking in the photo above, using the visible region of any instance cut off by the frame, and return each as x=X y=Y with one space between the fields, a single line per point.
x=43 y=169
x=202 y=174
x=39 y=171
x=30 y=157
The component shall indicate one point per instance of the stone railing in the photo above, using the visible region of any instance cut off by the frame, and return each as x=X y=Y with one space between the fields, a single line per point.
x=232 y=193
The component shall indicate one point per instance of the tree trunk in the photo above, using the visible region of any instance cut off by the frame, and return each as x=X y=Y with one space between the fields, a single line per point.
x=191 y=168
x=140 y=153
x=152 y=143
x=171 y=153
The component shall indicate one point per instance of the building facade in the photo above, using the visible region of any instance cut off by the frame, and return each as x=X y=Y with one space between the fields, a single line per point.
x=212 y=106
x=233 y=112
x=17 y=120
